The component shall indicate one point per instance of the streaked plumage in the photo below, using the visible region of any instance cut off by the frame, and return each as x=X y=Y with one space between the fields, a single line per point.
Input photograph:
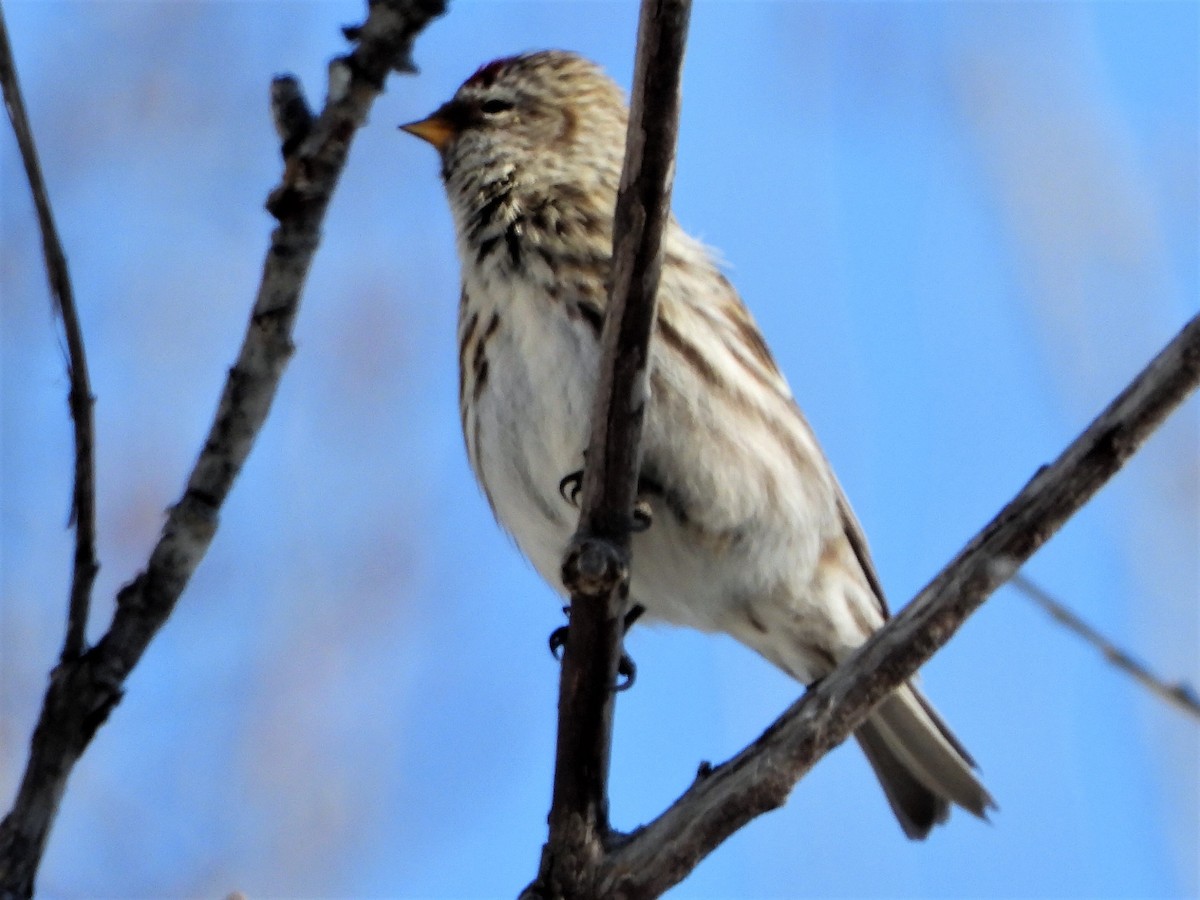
x=751 y=533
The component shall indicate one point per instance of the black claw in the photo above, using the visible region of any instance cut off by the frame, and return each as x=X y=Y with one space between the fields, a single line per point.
x=570 y=487
x=627 y=670
x=558 y=640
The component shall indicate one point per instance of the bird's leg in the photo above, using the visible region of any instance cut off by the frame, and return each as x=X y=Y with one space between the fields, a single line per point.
x=569 y=488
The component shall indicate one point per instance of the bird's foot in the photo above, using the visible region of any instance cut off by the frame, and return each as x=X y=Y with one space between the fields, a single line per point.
x=570 y=487
x=558 y=640
x=626 y=668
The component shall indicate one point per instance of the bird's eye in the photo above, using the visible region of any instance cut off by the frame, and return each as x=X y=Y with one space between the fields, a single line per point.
x=495 y=106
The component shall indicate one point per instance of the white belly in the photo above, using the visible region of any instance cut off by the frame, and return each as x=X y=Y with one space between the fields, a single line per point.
x=741 y=563
x=532 y=422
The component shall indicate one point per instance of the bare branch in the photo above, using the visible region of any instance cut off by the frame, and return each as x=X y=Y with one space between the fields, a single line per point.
x=1179 y=694
x=596 y=567
x=84 y=691
x=80 y=400
x=760 y=778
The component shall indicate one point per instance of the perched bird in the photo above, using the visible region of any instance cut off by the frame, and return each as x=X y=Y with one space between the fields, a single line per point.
x=751 y=533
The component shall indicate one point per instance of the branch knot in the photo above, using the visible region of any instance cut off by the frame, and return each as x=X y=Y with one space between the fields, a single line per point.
x=593 y=566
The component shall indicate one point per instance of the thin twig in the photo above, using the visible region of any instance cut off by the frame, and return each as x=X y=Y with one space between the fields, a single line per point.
x=596 y=567
x=760 y=778
x=1179 y=694
x=84 y=691
x=80 y=400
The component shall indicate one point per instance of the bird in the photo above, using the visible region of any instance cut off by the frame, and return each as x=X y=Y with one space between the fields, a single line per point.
x=751 y=533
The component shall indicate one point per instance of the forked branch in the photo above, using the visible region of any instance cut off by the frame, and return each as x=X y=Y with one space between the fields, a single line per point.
x=760 y=778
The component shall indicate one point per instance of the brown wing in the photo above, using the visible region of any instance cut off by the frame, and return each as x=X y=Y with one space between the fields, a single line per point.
x=858 y=541
x=853 y=530
x=732 y=316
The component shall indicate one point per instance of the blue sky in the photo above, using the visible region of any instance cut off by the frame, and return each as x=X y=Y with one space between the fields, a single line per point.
x=962 y=227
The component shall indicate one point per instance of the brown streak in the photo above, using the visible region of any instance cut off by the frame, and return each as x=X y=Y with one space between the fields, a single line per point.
x=691 y=355
x=493 y=324
x=756 y=372
x=480 y=363
x=570 y=126
x=473 y=452
x=800 y=456
x=822 y=654
x=463 y=352
x=752 y=338
x=858 y=543
x=481 y=373
x=590 y=314
x=866 y=626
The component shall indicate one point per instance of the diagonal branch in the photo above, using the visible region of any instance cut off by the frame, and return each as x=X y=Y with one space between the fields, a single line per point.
x=1180 y=694
x=760 y=778
x=83 y=502
x=84 y=691
x=596 y=567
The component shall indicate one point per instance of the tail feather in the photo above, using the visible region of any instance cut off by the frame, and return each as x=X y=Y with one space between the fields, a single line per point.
x=920 y=763
x=916 y=807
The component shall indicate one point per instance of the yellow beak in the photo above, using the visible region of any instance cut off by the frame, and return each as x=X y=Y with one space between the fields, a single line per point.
x=434 y=129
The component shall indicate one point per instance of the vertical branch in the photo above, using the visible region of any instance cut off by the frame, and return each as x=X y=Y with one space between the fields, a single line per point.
x=596 y=567
x=83 y=501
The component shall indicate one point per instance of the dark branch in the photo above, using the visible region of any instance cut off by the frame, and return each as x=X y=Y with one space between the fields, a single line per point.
x=83 y=501
x=760 y=778
x=84 y=691
x=596 y=567
x=1179 y=694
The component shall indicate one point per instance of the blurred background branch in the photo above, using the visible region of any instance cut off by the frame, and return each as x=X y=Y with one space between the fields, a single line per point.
x=84 y=690
x=1180 y=694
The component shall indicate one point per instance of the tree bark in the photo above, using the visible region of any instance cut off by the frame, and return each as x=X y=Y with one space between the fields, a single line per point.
x=596 y=567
